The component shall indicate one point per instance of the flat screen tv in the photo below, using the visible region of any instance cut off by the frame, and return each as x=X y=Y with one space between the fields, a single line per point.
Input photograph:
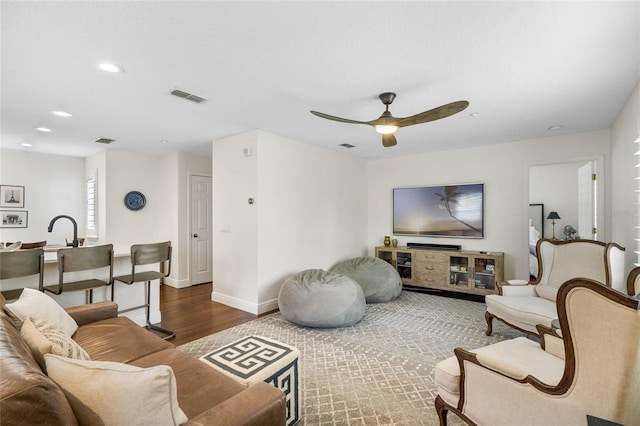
x=439 y=211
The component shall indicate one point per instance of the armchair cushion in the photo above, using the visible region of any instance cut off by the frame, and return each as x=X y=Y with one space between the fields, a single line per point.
x=516 y=358
x=523 y=312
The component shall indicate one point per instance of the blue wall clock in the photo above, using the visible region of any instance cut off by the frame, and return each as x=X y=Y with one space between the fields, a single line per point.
x=134 y=200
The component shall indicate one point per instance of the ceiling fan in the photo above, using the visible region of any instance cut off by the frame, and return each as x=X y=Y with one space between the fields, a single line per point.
x=387 y=124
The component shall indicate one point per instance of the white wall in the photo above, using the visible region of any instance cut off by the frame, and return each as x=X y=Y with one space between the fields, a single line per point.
x=54 y=185
x=624 y=199
x=235 y=222
x=309 y=212
x=504 y=170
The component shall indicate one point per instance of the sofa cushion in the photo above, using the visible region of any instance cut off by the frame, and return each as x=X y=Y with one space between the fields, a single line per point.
x=35 y=304
x=200 y=387
x=112 y=393
x=33 y=331
x=119 y=340
x=27 y=395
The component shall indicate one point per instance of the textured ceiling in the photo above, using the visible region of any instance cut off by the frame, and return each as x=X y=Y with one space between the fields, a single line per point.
x=523 y=66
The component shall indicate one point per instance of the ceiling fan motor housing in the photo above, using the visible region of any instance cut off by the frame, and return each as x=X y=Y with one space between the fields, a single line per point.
x=387 y=97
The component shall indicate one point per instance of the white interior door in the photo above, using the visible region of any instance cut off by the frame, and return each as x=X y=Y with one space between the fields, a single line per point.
x=587 y=202
x=201 y=230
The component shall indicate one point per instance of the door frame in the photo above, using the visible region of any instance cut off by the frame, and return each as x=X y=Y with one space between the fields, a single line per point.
x=603 y=198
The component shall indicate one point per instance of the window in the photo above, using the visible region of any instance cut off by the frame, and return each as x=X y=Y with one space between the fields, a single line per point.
x=92 y=207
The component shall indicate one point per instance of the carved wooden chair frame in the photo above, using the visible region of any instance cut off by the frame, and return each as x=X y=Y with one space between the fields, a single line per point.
x=568 y=376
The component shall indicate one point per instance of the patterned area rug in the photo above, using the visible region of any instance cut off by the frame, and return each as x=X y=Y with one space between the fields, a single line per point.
x=379 y=371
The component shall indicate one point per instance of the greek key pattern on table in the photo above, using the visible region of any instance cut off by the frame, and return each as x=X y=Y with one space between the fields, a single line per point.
x=247 y=357
x=287 y=381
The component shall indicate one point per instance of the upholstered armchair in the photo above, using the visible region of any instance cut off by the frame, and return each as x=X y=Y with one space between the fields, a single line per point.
x=525 y=304
x=593 y=370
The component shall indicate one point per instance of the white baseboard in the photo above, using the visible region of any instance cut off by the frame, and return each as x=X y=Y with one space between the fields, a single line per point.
x=177 y=283
x=243 y=305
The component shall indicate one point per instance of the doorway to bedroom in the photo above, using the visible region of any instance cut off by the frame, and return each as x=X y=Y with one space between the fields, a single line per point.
x=566 y=201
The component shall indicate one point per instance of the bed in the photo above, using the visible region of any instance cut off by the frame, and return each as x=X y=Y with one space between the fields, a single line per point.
x=536 y=231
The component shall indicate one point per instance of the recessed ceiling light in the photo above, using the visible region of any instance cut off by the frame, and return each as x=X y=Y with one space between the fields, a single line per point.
x=474 y=114
x=556 y=127
x=110 y=67
x=44 y=129
x=26 y=144
x=60 y=113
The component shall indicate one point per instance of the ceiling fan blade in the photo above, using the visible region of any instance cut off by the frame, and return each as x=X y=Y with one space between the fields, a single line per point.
x=334 y=118
x=389 y=140
x=433 y=114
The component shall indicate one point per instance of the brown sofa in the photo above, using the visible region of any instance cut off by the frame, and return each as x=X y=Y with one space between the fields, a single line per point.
x=206 y=396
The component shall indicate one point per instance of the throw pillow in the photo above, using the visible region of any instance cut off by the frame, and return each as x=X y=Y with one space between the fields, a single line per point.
x=60 y=343
x=36 y=304
x=103 y=392
x=38 y=344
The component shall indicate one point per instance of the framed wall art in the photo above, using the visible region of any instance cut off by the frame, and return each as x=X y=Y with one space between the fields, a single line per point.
x=11 y=196
x=14 y=218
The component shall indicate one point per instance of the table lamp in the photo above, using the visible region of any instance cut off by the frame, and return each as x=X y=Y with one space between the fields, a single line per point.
x=553 y=216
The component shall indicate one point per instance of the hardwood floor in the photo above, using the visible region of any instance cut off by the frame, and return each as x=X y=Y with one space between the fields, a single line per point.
x=191 y=314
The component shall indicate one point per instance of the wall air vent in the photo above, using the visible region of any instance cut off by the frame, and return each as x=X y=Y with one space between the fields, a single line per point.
x=188 y=96
x=104 y=140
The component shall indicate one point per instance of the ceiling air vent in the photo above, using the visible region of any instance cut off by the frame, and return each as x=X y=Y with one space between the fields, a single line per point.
x=104 y=140
x=347 y=145
x=188 y=96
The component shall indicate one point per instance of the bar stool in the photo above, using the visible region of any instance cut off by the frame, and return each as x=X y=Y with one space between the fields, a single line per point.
x=21 y=263
x=147 y=254
x=78 y=259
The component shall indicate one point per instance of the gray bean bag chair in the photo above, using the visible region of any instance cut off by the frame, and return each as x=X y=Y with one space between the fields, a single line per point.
x=317 y=298
x=379 y=280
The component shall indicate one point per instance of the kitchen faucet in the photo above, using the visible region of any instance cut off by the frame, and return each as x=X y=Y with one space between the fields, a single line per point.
x=75 y=228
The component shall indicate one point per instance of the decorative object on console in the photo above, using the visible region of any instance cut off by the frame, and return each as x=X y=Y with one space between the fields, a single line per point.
x=394 y=243
x=553 y=216
x=439 y=211
x=12 y=196
x=387 y=241
x=135 y=200
x=570 y=233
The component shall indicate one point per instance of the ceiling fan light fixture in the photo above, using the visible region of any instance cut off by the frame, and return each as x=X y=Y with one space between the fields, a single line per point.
x=386 y=129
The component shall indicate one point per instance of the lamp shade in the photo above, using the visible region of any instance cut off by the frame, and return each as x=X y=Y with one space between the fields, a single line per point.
x=553 y=216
